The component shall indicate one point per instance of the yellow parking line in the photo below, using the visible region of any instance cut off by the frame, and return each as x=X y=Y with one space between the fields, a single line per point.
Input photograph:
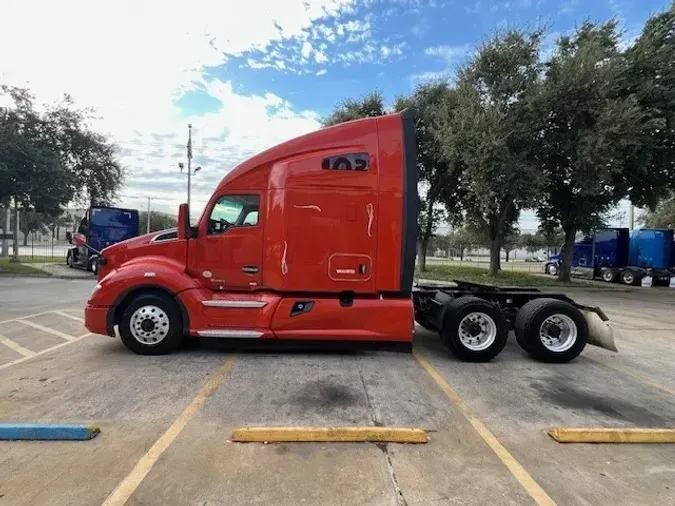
x=16 y=346
x=67 y=337
x=23 y=359
x=72 y=317
x=517 y=470
x=128 y=485
x=613 y=435
x=329 y=435
x=641 y=379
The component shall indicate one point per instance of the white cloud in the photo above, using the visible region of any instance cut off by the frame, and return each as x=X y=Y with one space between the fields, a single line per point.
x=320 y=57
x=131 y=60
x=306 y=50
x=321 y=72
x=449 y=53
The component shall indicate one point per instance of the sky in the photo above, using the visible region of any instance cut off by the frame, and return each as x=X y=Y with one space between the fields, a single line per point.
x=250 y=74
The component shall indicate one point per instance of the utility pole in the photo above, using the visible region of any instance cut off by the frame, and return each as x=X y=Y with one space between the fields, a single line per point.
x=8 y=225
x=148 y=228
x=189 y=157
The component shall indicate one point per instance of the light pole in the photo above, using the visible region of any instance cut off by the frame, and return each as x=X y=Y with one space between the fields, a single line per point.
x=189 y=167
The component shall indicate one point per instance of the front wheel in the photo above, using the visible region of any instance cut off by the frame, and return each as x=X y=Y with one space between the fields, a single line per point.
x=151 y=325
x=69 y=259
x=551 y=330
x=474 y=329
x=552 y=269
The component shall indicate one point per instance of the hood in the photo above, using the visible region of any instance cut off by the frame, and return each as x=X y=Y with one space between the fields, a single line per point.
x=153 y=243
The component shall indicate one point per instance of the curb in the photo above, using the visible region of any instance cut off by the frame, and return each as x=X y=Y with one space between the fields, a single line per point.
x=47 y=432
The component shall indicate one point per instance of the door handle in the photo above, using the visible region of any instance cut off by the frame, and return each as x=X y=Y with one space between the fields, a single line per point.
x=250 y=269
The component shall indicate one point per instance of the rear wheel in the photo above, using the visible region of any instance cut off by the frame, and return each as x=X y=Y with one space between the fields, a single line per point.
x=151 y=325
x=629 y=277
x=608 y=275
x=474 y=329
x=551 y=330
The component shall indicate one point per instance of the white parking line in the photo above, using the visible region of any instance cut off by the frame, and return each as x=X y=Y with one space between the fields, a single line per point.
x=67 y=337
x=66 y=343
x=16 y=347
x=23 y=317
x=72 y=317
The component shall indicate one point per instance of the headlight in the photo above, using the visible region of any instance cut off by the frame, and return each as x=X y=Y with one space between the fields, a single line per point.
x=95 y=289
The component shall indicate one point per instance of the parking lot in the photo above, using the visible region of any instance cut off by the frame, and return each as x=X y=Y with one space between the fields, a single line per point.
x=166 y=421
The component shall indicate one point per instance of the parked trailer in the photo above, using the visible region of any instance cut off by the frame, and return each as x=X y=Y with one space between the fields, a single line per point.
x=315 y=240
x=616 y=255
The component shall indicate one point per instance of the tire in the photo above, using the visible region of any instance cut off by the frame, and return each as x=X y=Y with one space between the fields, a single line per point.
x=630 y=278
x=93 y=265
x=421 y=320
x=552 y=269
x=467 y=322
x=608 y=275
x=164 y=332
x=550 y=316
x=69 y=259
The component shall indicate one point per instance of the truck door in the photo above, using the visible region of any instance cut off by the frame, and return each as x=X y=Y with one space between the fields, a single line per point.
x=227 y=254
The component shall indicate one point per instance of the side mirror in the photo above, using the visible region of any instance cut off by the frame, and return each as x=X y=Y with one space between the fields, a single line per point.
x=183 y=221
x=69 y=237
x=79 y=240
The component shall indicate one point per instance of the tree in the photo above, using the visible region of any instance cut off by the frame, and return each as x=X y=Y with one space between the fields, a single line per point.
x=532 y=242
x=649 y=78
x=439 y=172
x=158 y=221
x=350 y=109
x=663 y=216
x=30 y=221
x=492 y=130
x=461 y=240
x=585 y=126
x=31 y=170
x=511 y=240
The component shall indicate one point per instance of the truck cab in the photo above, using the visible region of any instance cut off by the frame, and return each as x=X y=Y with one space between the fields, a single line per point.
x=99 y=228
x=311 y=239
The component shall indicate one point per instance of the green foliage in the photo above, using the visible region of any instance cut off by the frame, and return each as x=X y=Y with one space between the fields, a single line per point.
x=48 y=158
x=438 y=173
x=350 y=109
x=585 y=126
x=480 y=275
x=663 y=216
x=492 y=130
x=649 y=78
x=158 y=221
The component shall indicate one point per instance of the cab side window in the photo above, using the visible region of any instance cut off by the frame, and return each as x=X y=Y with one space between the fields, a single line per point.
x=234 y=211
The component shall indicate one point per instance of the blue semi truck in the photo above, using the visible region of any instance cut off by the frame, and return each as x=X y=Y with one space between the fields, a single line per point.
x=100 y=227
x=616 y=254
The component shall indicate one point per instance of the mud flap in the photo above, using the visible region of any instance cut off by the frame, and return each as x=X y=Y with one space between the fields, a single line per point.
x=600 y=333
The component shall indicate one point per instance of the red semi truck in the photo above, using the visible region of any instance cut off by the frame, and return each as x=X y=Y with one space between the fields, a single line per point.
x=315 y=239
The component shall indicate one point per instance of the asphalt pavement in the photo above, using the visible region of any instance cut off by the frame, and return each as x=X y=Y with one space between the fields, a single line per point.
x=166 y=421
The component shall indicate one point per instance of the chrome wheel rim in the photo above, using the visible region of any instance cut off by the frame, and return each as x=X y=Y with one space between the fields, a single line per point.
x=628 y=278
x=552 y=270
x=477 y=331
x=558 y=333
x=149 y=325
x=607 y=276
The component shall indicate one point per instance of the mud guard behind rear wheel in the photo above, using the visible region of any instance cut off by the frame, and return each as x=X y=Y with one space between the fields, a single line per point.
x=600 y=333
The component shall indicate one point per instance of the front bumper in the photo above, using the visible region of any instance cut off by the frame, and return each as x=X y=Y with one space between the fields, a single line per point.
x=95 y=319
